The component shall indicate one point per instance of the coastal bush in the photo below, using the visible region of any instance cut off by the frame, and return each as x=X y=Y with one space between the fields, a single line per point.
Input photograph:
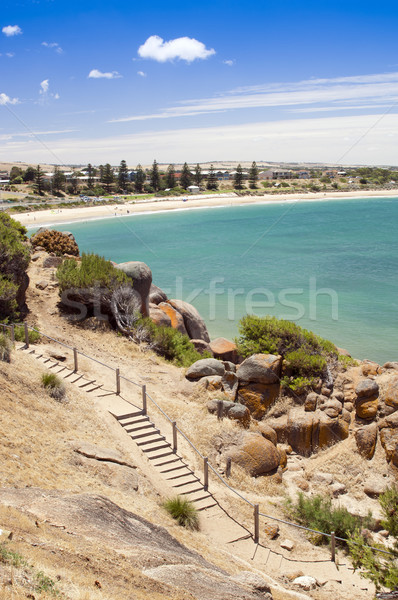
x=14 y=260
x=92 y=271
x=169 y=343
x=54 y=385
x=317 y=512
x=5 y=348
x=55 y=241
x=183 y=511
x=305 y=354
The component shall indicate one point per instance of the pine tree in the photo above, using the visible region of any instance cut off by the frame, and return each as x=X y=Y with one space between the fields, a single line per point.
x=90 y=175
x=101 y=173
x=253 y=176
x=58 y=180
x=212 y=183
x=238 y=178
x=186 y=177
x=123 y=176
x=139 y=179
x=170 y=177
x=39 y=181
x=154 y=176
x=198 y=175
x=29 y=174
x=108 y=177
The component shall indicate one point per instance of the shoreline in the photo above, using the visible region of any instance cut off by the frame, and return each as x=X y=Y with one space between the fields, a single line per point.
x=65 y=216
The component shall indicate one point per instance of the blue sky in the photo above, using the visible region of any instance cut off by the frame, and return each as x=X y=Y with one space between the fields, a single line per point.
x=265 y=81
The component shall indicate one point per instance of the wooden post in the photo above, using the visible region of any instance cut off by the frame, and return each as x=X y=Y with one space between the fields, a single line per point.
x=26 y=335
x=256 y=523
x=13 y=333
x=220 y=407
x=75 y=360
x=118 y=382
x=206 y=473
x=333 y=546
x=174 y=424
x=144 y=403
x=228 y=467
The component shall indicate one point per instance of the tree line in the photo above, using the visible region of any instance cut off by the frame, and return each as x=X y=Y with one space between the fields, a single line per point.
x=104 y=179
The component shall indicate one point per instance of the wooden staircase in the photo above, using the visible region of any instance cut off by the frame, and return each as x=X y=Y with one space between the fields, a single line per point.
x=170 y=465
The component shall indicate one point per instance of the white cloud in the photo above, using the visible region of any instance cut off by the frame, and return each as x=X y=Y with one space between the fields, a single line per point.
x=229 y=63
x=45 y=84
x=4 y=99
x=141 y=73
x=366 y=89
x=53 y=45
x=11 y=30
x=183 y=48
x=96 y=74
x=10 y=54
x=302 y=140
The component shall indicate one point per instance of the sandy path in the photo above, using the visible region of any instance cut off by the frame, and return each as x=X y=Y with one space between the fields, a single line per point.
x=72 y=215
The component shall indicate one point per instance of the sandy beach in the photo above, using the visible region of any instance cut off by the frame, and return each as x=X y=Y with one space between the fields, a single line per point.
x=83 y=213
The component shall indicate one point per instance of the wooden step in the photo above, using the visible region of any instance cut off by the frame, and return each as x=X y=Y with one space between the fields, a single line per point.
x=142 y=435
x=159 y=438
x=206 y=507
x=156 y=448
x=136 y=422
x=161 y=455
x=140 y=428
x=178 y=485
x=169 y=462
x=129 y=415
x=189 y=472
x=200 y=489
x=200 y=499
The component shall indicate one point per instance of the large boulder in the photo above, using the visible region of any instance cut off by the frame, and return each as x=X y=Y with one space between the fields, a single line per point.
x=260 y=368
x=367 y=388
x=156 y=295
x=230 y=384
x=177 y=322
x=141 y=276
x=389 y=392
x=389 y=441
x=366 y=438
x=194 y=324
x=255 y=454
x=205 y=368
x=159 y=317
x=258 y=397
x=328 y=431
x=366 y=402
x=201 y=346
x=224 y=349
x=300 y=431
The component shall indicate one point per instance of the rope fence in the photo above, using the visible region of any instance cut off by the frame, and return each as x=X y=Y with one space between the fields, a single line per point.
x=175 y=431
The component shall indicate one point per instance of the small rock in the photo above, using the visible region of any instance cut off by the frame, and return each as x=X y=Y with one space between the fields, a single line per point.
x=326 y=392
x=253 y=581
x=387 y=365
x=271 y=530
x=306 y=582
x=311 y=402
x=374 y=488
x=41 y=285
x=205 y=367
x=367 y=388
x=321 y=477
x=294 y=575
x=337 y=489
x=287 y=545
x=302 y=484
x=384 y=533
x=51 y=262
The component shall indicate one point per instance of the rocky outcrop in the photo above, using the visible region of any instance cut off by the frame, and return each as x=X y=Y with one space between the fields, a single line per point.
x=194 y=324
x=231 y=410
x=366 y=403
x=159 y=317
x=255 y=454
x=260 y=368
x=204 y=368
x=366 y=438
x=156 y=295
x=141 y=276
x=176 y=319
x=258 y=397
x=224 y=349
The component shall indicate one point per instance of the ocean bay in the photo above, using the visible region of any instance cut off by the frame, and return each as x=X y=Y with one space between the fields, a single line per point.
x=331 y=266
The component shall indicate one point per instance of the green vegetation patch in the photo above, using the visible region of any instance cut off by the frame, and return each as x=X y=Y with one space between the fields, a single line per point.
x=19 y=334
x=5 y=348
x=92 y=271
x=14 y=260
x=183 y=511
x=316 y=512
x=54 y=385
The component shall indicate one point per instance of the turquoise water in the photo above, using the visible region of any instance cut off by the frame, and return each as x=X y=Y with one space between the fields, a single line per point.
x=272 y=259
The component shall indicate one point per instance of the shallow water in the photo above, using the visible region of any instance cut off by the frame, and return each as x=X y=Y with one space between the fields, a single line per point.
x=331 y=266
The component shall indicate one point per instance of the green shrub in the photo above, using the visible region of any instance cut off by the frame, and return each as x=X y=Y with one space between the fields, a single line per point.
x=316 y=512
x=171 y=344
x=5 y=348
x=298 y=385
x=54 y=385
x=45 y=584
x=379 y=568
x=183 y=511
x=14 y=260
x=93 y=270
x=303 y=364
x=9 y=557
x=55 y=241
x=347 y=361
x=19 y=333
